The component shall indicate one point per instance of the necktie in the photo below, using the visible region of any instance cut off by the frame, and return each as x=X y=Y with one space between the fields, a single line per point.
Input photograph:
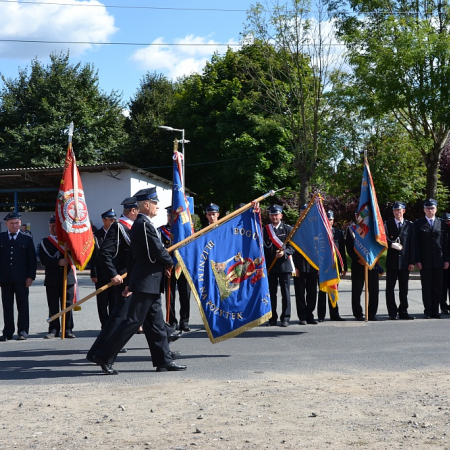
x=431 y=223
x=400 y=227
x=11 y=236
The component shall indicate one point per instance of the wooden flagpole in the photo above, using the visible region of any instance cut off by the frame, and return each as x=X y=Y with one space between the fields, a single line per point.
x=366 y=282
x=172 y=248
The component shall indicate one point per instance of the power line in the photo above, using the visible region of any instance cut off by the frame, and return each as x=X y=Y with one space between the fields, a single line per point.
x=84 y=5
x=37 y=41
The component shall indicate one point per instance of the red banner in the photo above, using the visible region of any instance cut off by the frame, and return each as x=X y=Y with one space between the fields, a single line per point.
x=73 y=226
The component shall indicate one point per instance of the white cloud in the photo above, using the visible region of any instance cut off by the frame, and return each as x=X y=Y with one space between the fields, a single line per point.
x=51 y=22
x=178 y=60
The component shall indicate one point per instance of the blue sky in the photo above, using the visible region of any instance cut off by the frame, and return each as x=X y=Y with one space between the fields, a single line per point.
x=120 y=67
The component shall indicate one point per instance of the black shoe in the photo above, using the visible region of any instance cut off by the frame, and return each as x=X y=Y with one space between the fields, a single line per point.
x=5 y=338
x=436 y=316
x=185 y=328
x=360 y=318
x=393 y=318
x=69 y=335
x=172 y=367
x=271 y=323
x=50 y=335
x=302 y=322
x=406 y=317
x=22 y=336
x=123 y=350
x=174 y=337
x=338 y=319
x=311 y=322
x=174 y=355
x=372 y=319
x=426 y=316
x=284 y=324
x=445 y=311
x=107 y=368
x=321 y=320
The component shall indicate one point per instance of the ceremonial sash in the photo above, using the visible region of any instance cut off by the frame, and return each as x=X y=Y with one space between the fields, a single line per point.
x=278 y=244
x=165 y=231
x=126 y=222
x=54 y=241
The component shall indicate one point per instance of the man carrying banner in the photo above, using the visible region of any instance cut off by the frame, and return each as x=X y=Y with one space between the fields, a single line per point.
x=149 y=260
x=432 y=256
x=305 y=286
x=212 y=213
x=275 y=234
x=51 y=255
x=17 y=272
x=339 y=243
x=400 y=236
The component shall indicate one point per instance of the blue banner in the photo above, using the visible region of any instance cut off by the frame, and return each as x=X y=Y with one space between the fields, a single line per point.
x=313 y=238
x=370 y=235
x=182 y=226
x=226 y=270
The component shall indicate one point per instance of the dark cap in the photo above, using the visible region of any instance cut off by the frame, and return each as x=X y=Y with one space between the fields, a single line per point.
x=330 y=214
x=146 y=194
x=275 y=209
x=52 y=219
x=239 y=206
x=430 y=203
x=446 y=217
x=212 y=208
x=12 y=215
x=169 y=209
x=110 y=214
x=398 y=205
x=303 y=207
x=129 y=202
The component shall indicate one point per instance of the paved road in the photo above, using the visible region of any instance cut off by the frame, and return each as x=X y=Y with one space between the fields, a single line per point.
x=330 y=346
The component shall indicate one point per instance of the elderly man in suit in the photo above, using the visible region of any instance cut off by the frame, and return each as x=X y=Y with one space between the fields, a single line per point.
x=17 y=272
x=432 y=255
x=149 y=259
x=399 y=261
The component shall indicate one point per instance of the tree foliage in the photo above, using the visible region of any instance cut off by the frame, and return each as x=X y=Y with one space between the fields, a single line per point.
x=400 y=55
x=37 y=107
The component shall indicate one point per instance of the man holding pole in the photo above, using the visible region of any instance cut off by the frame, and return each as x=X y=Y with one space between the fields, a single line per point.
x=51 y=255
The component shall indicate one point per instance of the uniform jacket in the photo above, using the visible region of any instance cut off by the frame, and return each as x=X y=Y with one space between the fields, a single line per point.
x=49 y=255
x=112 y=257
x=148 y=257
x=431 y=243
x=96 y=271
x=400 y=259
x=283 y=265
x=17 y=258
x=302 y=265
x=339 y=242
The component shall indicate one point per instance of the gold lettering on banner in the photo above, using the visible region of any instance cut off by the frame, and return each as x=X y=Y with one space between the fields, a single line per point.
x=221 y=313
x=247 y=233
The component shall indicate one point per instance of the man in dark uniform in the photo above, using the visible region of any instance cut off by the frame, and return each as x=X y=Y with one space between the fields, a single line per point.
x=445 y=307
x=432 y=256
x=112 y=260
x=184 y=291
x=305 y=282
x=212 y=213
x=339 y=243
x=106 y=299
x=399 y=261
x=148 y=262
x=357 y=275
x=51 y=255
x=17 y=272
x=275 y=234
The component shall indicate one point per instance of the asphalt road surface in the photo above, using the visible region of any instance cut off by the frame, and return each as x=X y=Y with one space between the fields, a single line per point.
x=330 y=346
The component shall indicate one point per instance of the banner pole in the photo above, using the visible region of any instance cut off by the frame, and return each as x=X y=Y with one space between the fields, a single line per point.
x=366 y=283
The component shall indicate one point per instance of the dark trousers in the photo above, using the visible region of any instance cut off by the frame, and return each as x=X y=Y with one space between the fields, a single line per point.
x=357 y=276
x=105 y=302
x=284 y=279
x=184 y=294
x=118 y=315
x=322 y=306
x=445 y=289
x=431 y=280
x=305 y=283
x=54 y=301
x=143 y=309
x=392 y=275
x=23 y=312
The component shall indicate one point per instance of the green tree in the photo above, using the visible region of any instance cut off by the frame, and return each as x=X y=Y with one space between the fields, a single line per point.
x=150 y=147
x=37 y=107
x=400 y=55
x=293 y=75
x=236 y=151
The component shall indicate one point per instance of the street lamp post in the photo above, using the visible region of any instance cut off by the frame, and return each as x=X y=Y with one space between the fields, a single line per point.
x=183 y=141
